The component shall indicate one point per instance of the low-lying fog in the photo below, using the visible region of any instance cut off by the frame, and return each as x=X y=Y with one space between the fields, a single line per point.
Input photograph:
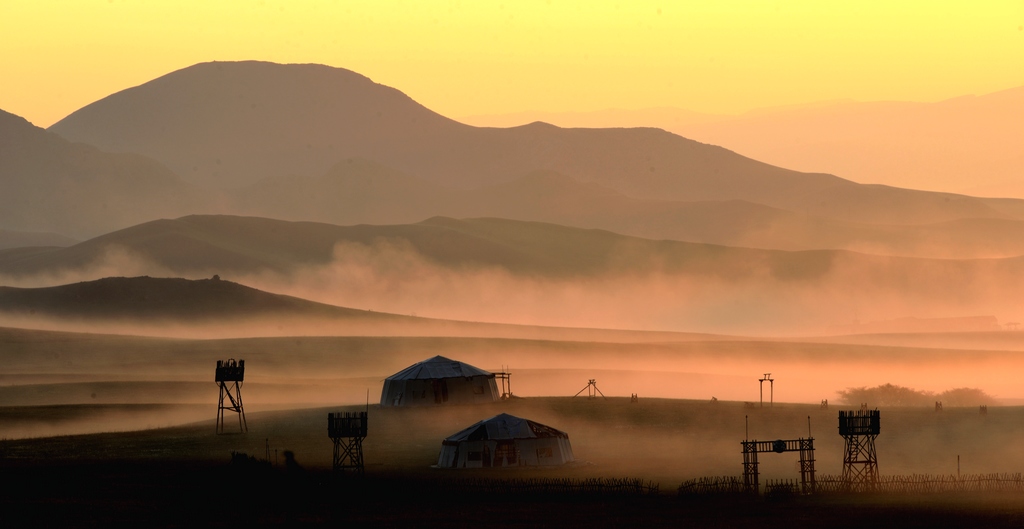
x=48 y=369
x=814 y=293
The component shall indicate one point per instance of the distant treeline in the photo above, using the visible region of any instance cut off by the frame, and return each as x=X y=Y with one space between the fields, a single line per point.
x=893 y=395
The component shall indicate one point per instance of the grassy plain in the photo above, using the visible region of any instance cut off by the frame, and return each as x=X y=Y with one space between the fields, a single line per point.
x=181 y=475
x=110 y=430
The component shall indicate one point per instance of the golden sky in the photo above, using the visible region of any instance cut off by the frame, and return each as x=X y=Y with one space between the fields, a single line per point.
x=467 y=57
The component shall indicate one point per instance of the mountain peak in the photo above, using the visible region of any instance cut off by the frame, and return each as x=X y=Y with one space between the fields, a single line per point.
x=226 y=124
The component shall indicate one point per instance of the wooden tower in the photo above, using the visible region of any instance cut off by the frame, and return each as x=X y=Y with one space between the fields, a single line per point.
x=347 y=430
x=229 y=377
x=860 y=461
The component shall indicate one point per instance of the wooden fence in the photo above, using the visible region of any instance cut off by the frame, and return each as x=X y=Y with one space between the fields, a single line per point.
x=554 y=486
x=713 y=485
x=927 y=483
x=827 y=484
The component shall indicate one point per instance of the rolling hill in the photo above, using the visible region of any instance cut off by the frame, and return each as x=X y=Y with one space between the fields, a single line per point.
x=177 y=307
x=206 y=244
x=477 y=269
x=148 y=298
x=358 y=191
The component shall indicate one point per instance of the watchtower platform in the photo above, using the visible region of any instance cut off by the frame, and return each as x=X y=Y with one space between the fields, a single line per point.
x=229 y=377
x=860 y=459
x=347 y=430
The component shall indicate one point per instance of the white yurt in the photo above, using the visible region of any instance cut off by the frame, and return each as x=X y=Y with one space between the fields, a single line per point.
x=505 y=441
x=439 y=381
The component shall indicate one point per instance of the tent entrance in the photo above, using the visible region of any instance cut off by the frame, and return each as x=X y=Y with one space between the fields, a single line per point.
x=440 y=391
x=506 y=454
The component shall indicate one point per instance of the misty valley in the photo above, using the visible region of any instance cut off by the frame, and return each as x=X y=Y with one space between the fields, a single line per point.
x=333 y=233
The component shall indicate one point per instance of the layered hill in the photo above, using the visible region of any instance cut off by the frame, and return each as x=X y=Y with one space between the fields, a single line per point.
x=148 y=298
x=219 y=308
x=203 y=244
x=537 y=273
x=229 y=124
x=360 y=191
x=49 y=184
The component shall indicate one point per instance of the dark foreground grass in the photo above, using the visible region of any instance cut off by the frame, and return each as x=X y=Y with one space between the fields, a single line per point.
x=190 y=494
x=182 y=476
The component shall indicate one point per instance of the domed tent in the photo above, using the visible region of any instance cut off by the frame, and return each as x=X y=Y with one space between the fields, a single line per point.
x=505 y=441
x=439 y=381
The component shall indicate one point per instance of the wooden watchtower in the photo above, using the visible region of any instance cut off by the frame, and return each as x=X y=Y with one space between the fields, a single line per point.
x=347 y=430
x=229 y=378
x=860 y=460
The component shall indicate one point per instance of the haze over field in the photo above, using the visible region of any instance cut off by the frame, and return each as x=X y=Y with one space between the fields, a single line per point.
x=729 y=218
x=692 y=238
x=503 y=271
x=323 y=183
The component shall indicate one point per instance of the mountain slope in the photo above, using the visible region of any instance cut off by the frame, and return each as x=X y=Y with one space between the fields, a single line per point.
x=358 y=191
x=967 y=144
x=228 y=124
x=21 y=239
x=50 y=184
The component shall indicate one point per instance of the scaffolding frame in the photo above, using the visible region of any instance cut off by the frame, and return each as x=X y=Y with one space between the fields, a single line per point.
x=506 y=384
x=591 y=389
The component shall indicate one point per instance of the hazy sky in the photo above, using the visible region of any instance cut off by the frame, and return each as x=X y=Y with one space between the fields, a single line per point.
x=483 y=57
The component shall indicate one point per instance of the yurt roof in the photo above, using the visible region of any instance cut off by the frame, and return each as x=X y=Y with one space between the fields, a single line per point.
x=505 y=426
x=438 y=367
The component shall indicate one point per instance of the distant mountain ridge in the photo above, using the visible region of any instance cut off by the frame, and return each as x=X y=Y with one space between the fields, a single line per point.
x=228 y=124
x=49 y=184
x=967 y=144
x=388 y=160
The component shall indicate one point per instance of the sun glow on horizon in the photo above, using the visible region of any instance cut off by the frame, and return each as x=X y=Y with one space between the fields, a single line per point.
x=465 y=58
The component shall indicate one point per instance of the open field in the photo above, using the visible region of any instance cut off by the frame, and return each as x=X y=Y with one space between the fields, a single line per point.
x=145 y=451
x=181 y=474
x=660 y=440
x=56 y=368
